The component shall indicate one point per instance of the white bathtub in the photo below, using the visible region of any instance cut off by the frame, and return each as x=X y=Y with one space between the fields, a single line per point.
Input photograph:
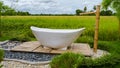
x=56 y=38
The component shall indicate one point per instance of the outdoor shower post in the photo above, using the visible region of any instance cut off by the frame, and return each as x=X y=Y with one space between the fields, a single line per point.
x=97 y=13
x=96 y=28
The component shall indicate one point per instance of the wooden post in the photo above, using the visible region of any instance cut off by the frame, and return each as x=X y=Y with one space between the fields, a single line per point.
x=119 y=29
x=96 y=28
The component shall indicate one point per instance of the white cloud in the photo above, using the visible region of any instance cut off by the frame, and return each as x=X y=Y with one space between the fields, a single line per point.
x=51 y=6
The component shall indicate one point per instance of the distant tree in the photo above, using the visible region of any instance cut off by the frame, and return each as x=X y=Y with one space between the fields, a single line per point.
x=115 y=5
x=114 y=13
x=91 y=10
x=94 y=7
x=10 y=12
x=27 y=13
x=109 y=12
x=103 y=13
x=85 y=9
x=5 y=10
x=78 y=11
x=106 y=13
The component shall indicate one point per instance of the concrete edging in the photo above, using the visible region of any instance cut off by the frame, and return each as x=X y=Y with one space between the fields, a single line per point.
x=27 y=62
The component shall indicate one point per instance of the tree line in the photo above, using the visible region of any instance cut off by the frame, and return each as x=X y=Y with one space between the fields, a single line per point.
x=102 y=12
x=5 y=10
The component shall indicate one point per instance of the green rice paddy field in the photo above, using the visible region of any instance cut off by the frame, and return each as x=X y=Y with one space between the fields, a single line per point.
x=18 y=27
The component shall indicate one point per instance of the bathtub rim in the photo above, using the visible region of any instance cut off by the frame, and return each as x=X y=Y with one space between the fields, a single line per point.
x=56 y=30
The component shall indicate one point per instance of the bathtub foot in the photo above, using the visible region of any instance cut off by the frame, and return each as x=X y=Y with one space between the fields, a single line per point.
x=42 y=46
x=46 y=47
x=65 y=48
x=68 y=47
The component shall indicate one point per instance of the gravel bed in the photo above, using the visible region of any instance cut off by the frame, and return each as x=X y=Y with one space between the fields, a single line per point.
x=7 y=45
x=28 y=56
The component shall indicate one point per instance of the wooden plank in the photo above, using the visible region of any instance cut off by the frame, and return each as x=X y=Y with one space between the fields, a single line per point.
x=82 y=48
x=76 y=48
x=59 y=51
x=27 y=46
x=42 y=50
x=35 y=46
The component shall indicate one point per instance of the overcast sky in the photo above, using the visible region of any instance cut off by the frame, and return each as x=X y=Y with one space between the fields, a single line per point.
x=51 y=6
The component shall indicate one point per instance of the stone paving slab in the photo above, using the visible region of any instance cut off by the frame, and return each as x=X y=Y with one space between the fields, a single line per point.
x=18 y=64
x=34 y=46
